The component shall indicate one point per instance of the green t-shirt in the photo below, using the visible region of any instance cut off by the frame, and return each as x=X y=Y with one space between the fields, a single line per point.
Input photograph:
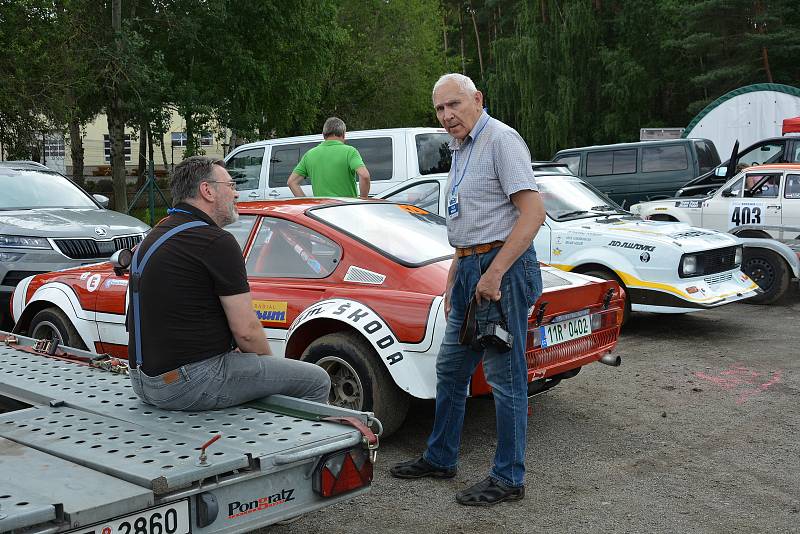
x=331 y=166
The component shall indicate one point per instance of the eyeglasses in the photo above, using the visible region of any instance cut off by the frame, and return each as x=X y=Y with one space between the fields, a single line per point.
x=232 y=185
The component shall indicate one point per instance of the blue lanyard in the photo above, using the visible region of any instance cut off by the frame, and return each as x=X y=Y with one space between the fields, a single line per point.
x=170 y=211
x=469 y=157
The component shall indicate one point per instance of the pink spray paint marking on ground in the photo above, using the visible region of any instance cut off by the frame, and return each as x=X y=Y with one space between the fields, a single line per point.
x=744 y=381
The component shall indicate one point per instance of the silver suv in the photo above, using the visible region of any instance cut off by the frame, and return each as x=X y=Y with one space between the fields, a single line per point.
x=48 y=223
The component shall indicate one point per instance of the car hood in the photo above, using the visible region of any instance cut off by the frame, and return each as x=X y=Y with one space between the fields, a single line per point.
x=630 y=233
x=65 y=222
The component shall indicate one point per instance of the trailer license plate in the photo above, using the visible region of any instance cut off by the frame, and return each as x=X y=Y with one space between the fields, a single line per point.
x=172 y=518
x=555 y=333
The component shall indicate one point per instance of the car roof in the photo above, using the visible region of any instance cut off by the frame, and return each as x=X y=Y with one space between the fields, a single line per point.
x=773 y=167
x=23 y=164
x=350 y=135
x=293 y=206
x=632 y=144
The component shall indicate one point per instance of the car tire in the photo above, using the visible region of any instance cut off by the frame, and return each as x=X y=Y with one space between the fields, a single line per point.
x=359 y=380
x=770 y=271
x=605 y=275
x=52 y=323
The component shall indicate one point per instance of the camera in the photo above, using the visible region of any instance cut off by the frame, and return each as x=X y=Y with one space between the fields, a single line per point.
x=494 y=336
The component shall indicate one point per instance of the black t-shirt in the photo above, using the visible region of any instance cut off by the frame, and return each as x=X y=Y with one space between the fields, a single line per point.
x=182 y=319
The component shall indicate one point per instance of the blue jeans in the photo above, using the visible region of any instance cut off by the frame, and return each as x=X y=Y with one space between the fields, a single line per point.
x=506 y=372
x=230 y=379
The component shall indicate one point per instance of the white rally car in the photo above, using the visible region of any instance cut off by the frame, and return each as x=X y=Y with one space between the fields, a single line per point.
x=665 y=267
x=764 y=195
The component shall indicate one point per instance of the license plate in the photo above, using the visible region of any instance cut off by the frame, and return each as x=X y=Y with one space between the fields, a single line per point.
x=555 y=333
x=171 y=518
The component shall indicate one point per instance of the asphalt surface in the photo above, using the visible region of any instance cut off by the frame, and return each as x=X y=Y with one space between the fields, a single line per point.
x=697 y=431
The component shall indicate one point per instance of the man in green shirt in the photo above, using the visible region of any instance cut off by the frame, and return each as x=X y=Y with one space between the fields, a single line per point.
x=332 y=166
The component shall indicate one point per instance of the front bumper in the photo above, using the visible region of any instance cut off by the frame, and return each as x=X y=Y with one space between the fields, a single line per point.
x=692 y=294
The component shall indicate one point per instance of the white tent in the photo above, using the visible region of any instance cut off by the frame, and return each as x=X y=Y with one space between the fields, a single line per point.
x=747 y=114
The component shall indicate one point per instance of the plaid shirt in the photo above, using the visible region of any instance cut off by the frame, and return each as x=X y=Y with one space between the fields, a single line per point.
x=489 y=165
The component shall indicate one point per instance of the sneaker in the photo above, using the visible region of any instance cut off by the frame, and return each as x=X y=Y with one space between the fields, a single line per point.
x=488 y=492
x=420 y=468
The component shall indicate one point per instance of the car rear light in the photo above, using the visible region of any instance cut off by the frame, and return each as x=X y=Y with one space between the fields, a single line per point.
x=342 y=472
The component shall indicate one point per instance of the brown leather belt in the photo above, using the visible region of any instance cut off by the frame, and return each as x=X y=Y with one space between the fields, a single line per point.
x=477 y=249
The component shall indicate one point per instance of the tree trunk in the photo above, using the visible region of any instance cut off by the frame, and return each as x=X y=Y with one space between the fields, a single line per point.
x=141 y=170
x=477 y=38
x=444 y=34
x=116 y=137
x=76 y=150
x=461 y=38
x=191 y=145
x=164 y=155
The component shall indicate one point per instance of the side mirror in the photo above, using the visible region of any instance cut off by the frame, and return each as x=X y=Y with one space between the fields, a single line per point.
x=101 y=199
x=121 y=260
x=720 y=171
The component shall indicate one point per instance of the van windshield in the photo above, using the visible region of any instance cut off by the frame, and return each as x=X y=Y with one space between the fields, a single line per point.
x=567 y=198
x=433 y=152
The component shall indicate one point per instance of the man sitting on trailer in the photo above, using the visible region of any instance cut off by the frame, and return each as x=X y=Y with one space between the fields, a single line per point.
x=195 y=342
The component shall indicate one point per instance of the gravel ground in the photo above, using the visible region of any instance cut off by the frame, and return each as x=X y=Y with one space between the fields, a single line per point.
x=696 y=432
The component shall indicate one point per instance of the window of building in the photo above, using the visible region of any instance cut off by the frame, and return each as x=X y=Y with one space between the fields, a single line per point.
x=54 y=146
x=107 y=148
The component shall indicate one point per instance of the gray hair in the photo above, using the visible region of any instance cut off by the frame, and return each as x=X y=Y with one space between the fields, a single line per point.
x=464 y=82
x=189 y=174
x=333 y=126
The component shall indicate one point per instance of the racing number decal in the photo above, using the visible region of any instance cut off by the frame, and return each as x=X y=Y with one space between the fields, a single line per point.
x=746 y=215
x=746 y=212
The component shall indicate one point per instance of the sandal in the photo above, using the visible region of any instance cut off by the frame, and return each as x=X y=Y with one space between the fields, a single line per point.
x=488 y=492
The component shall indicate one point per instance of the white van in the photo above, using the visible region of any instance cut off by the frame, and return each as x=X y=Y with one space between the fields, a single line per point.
x=261 y=169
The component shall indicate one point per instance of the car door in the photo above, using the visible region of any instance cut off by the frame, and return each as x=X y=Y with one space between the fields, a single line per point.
x=751 y=199
x=283 y=158
x=246 y=168
x=790 y=202
x=287 y=266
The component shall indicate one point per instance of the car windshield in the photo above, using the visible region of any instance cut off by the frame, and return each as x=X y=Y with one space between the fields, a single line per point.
x=568 y=198
x=30 y=189
x=405 y=233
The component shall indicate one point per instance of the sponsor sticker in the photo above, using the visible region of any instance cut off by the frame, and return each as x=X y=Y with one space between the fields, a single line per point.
x=557 y=252
x=270 y=311
x=84 y=276
x=743 y=212
x=115 y=282
x=238 y=508
x=634 y=246
x=92 y=283
x=412 y=209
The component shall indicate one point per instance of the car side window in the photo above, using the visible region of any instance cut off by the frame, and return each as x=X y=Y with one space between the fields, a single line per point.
x=241 y=229
x=283 y=160
x=664 y=158
x=245 y=168
x=707 y=156
x=735 y=189
x=284 y=249
x=424 y=195
x=761 y=154
x=792 y=188
x=611 y=162
x=759 y=185
x=377 y=155
x=433 y=152
x=573 y=161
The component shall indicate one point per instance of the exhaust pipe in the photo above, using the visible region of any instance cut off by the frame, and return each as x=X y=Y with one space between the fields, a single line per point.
x=611 y=359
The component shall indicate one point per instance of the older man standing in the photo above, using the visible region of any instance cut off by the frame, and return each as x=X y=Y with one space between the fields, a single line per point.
x=332 y=166
x=493 y=213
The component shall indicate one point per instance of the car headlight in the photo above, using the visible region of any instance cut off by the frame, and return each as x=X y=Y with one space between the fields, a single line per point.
x=21 y=241
x=689 y=265
x=737 y=258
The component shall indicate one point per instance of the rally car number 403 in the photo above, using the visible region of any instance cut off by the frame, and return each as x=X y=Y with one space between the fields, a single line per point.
x=664 y=267
x=354 y=286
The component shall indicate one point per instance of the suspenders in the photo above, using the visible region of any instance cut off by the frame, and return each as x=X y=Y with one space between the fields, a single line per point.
x=135 y=278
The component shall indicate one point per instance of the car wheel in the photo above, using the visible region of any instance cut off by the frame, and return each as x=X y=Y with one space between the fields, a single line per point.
x=605 y=275
x=359 y=380
x=770 y=271
x=52 y=323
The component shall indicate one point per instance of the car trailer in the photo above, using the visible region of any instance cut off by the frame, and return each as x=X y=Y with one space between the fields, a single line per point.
x=79 y=452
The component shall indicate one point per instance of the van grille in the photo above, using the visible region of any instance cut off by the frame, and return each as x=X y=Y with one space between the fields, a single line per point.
x=84 y=249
